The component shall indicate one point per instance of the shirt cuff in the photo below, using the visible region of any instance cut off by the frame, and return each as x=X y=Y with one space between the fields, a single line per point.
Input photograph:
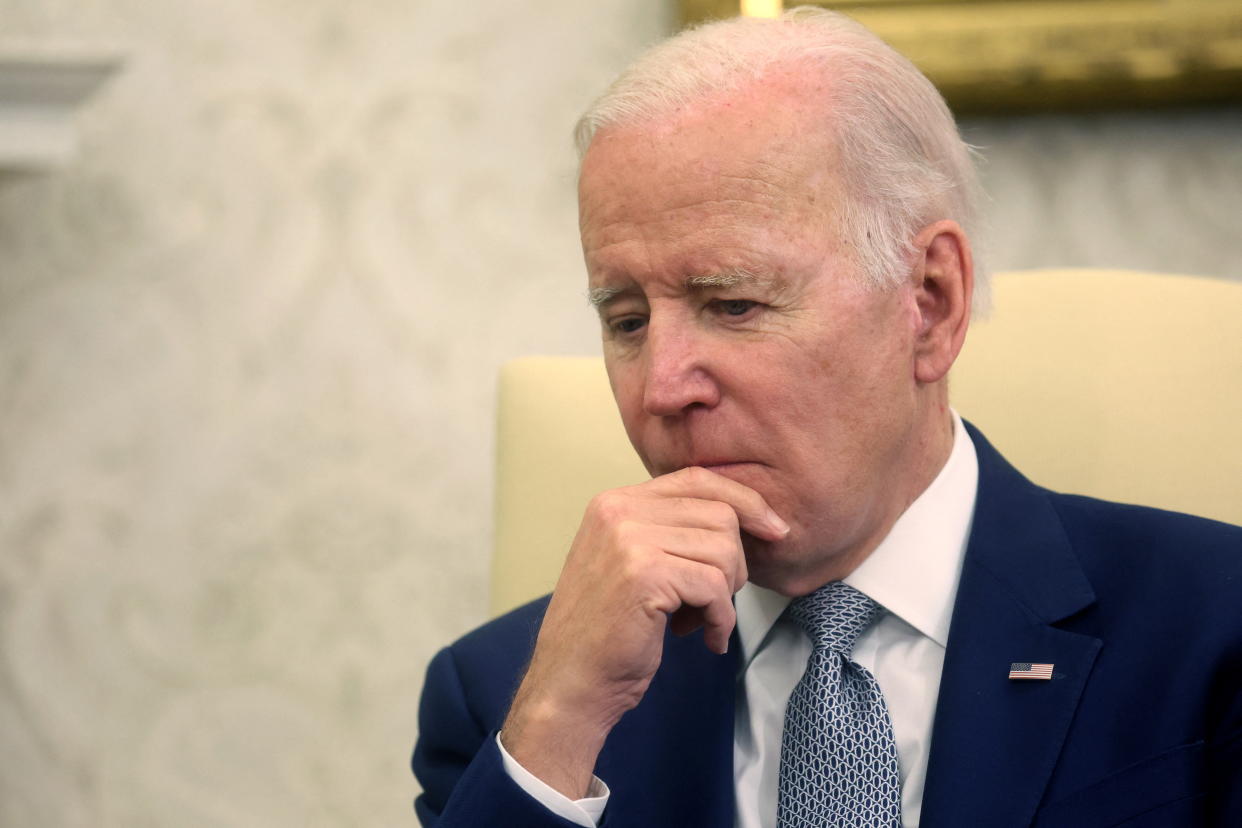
x=585 y=812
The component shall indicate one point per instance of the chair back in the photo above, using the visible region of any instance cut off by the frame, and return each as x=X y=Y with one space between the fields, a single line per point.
x=1120 y=385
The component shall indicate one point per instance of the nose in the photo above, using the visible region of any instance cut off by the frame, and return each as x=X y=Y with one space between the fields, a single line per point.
x=678 y=373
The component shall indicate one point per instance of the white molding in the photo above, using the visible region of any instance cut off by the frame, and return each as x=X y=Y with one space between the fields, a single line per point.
x=42 y=86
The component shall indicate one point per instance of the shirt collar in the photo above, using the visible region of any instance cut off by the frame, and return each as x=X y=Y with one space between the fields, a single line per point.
x=914 y=571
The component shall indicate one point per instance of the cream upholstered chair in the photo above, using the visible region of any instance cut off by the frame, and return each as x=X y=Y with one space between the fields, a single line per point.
x=1126 y=386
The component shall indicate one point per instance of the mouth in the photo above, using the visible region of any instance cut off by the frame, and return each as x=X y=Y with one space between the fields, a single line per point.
x=724 y=465
x=717 y=465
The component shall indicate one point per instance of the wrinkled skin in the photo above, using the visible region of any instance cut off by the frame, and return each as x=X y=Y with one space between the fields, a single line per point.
x=788 y=413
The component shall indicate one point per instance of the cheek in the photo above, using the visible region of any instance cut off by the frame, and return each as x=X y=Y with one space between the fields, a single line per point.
x=833 y=416
x=627 y=391
x=624 y=378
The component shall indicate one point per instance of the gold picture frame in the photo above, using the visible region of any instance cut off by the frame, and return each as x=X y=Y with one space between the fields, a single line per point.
x=1039 y=55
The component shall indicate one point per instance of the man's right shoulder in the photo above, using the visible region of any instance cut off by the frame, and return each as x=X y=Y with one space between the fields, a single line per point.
x=465 y=699
x=492 y=658
x=516 y=628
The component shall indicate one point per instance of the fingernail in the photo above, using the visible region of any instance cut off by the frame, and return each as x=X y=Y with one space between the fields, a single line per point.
x=779 y=525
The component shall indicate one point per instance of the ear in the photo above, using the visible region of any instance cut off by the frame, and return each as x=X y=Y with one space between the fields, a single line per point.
x=944 y=281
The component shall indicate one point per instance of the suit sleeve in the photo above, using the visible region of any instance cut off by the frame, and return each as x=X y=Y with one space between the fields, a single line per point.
x=1225 y=790
x=458 y=764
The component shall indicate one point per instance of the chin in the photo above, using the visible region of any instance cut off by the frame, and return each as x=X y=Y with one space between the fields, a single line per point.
x=782 y=567
x=770 y=564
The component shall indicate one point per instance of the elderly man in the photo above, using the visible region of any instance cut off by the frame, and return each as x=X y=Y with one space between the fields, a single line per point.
x=890 y=625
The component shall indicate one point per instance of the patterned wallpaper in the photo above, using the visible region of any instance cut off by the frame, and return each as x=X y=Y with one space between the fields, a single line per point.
x=247 y=353
x=1145 y=191
x=247 y=350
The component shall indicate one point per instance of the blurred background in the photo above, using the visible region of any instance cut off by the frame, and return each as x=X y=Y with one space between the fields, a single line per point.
x=249 y=334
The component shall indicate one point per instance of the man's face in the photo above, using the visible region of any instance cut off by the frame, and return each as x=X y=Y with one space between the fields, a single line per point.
x=737 y=333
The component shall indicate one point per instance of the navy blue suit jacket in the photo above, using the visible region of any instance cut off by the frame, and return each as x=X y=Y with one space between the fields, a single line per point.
x=1139 y=610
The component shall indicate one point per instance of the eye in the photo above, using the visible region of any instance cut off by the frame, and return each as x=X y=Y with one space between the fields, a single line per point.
x=735 y=307
x=627 y=324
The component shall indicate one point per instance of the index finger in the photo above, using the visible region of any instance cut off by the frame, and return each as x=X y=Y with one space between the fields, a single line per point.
x=753 y=512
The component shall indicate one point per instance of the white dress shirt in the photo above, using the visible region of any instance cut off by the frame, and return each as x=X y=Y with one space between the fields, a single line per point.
x=913 y=575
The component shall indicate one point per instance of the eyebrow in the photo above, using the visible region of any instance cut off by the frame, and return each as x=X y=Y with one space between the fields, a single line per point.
x=726 y=279
x=601 y=296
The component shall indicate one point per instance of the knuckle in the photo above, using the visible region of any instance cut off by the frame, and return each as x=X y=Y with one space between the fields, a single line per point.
x=717 y=580
x=626 y=534
x=728 y=548
x=723 y=515
x=696 y=475
x=607 y=506
x=715 y=545
x=635 y=566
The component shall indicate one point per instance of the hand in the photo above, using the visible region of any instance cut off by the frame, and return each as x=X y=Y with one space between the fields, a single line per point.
x=665 y=551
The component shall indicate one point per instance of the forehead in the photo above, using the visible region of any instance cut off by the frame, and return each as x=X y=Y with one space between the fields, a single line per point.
x=726 y=184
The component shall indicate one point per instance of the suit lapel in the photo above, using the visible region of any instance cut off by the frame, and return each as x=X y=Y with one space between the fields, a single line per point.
x=995 y=741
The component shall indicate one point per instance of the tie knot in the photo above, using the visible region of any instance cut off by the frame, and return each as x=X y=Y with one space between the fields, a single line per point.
x=834 y=616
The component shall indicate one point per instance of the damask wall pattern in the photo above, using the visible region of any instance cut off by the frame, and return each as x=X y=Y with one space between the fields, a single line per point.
x=248 y=343
x=1157 y=190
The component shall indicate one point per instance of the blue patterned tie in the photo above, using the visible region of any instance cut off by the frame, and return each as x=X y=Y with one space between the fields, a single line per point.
x=838 y=757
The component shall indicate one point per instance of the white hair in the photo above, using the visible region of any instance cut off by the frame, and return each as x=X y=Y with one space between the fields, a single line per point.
x=903 y=164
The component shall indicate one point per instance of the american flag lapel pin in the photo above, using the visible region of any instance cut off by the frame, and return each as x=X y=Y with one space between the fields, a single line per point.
x=1027 y=670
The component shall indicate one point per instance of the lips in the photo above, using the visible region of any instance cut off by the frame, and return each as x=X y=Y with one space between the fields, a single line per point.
x=716 y=465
